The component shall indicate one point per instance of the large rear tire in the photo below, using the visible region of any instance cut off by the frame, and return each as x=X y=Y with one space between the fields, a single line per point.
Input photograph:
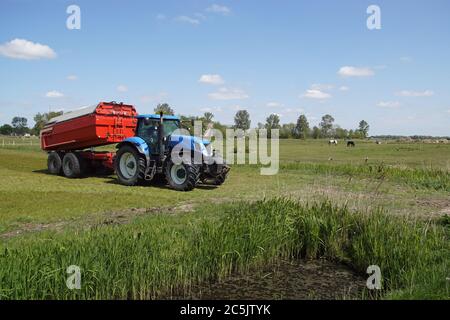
x=182 y=177
x=71 y=165
x=130 y=166
x=54 y=163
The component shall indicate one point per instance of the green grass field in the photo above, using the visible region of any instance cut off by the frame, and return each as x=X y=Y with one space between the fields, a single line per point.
x=392 y=197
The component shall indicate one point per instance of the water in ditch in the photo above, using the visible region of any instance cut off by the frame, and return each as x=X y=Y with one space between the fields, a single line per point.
x=316 y=279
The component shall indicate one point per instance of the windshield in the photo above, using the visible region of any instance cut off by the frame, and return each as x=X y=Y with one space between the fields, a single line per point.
x=170 y=126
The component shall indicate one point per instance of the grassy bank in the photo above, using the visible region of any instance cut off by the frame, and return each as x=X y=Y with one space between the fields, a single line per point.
x=428 y=178
x=154 y=256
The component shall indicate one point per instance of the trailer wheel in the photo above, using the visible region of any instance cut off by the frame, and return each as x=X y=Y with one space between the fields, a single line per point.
x=71 y=165
x=129 y=166
x=182 y=177
x=54 y=163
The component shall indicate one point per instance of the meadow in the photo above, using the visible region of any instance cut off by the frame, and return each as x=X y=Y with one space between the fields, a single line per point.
x=382 y=204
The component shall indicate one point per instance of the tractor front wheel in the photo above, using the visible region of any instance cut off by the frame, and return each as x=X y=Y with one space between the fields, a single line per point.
x=129 y=165
x=182 y=177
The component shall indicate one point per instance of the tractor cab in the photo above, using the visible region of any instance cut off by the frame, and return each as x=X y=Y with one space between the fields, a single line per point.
x=148 y=129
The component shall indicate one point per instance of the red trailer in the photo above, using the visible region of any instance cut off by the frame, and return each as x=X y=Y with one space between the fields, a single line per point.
x=67 y=137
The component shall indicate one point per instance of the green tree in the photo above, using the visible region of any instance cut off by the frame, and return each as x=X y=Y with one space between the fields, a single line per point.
x=341 y=133
x=302 y=127
x=19 y=125
x=6 y=130
x=41 y=119
x=242 y=120
x=363 y=128
x=315 y=132
x=273 y=122
x=351 y=134
x=287 y=130
x=208 y=117
x=164 y=108
x=326 y=125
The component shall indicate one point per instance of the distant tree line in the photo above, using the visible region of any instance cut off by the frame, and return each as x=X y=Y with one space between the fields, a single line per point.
x=19 y=125
x=299 y=130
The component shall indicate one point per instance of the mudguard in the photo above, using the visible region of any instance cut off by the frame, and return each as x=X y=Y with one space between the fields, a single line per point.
x=139 y=144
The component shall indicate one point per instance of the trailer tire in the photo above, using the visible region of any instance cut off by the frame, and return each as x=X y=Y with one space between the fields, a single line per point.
x=182 y=177
x=130 y=166
x=71 y=165
x=54 y=163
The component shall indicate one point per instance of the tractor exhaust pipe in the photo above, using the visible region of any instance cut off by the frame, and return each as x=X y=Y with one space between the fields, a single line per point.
x=161 y=138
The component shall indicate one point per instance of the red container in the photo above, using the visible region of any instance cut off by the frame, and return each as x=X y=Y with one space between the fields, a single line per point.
x=106 y=123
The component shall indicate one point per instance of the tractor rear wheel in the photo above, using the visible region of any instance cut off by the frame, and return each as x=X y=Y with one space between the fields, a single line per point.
x=182 y=177
x=71 y=165
x=130 y=166
x=54 y=163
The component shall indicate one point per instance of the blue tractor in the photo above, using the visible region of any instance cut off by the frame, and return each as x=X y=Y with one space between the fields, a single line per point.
x=147 y=156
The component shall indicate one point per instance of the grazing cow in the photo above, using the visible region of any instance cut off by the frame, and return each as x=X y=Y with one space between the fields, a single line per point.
x=350 y=143
x=333 y=141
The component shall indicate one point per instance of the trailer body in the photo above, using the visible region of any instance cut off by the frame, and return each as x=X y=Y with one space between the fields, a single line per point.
x=106 y=123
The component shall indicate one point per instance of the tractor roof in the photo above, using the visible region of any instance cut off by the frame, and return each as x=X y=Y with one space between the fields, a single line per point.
x=156 y=116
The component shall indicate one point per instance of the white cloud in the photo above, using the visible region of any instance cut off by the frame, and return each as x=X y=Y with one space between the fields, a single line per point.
x=200 y=16
x=316 y=94
x=187 y=19
x=208 y=109
x=294 y=110
x=344 y=88
x=348 y=71
x=214 y=79
x=54 y=94
x=322 y=87
x=388 y=104
x=27 y=50
x=122 y=88
x=216 y=8
x=161 y=16
x=406 y=59
x=274 y=104
x=72 y=77
x=228 y=94
x=409 y=93
x=158 y=98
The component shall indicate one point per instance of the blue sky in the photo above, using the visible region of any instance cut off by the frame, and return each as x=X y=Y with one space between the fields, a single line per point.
x=284 y=57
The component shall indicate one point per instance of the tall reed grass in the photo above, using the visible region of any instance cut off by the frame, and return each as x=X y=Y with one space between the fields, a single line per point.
x=156 y=256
